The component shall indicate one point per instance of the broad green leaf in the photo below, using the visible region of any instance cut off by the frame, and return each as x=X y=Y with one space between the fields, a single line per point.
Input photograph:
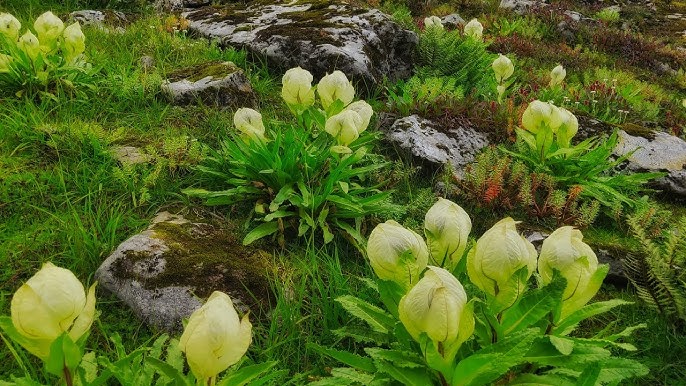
x=532 y=307
x=589 y=377
x=398 y=358
x=568 y=324
x=246 y=374
x=564 y=346
x=169 y=371
x=350 y=359
x=541 y=380
x=410 y=377
x=261 y=231
x=378 y=319
x=491 y=362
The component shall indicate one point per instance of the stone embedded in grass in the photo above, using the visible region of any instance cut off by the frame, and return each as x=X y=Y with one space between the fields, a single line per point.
x=657 y=152
x=163 y=272
x=320 y=36
x=432 y=144
x=214 y=83
x=100 y=19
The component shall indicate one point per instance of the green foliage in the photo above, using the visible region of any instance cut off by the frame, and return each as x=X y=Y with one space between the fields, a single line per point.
x=425 y=96
x=657 y=269
x=527 y=26
x=295 y=182
x=497 y=182
x=449 y=53
x=608 y=15
x=589 y=165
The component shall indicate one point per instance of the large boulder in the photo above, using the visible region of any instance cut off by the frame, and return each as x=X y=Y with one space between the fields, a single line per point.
x=430 y=143
x=318 y=35
x=165 y=272
x=214 y=83
x=656 y=152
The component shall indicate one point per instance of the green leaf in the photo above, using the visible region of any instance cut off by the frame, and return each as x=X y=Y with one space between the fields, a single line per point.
x=169 y=371
x=540 y=380
x=410 y=377
x=350 y=359
x=352 y=375
x=64 y=353
x=246 y=374
x=378 y=319
x=261 y=231
x=564 y=346
x=398 y=358
x=590 y=375
x=491 y=362
x=568 y=324
x=532 y=307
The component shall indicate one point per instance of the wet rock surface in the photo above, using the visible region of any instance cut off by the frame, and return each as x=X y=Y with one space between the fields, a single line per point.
x=214 y=83
x=165 y=272
x=318 y=35
x=428 y=142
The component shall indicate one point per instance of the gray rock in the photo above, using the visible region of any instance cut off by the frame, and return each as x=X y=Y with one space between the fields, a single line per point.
x=520 y=6
x=163 y=272
x=100 y=19
x=129 y=155
x=319 y=36
x=421 y=138
x=214 y=83
x=659 y=152
x=452 y=21
x=196 y=3
x=168 y=6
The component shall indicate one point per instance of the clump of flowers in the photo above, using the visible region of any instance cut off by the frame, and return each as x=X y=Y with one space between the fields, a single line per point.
x=47 y=60
x=503 y=329
x=303 y=175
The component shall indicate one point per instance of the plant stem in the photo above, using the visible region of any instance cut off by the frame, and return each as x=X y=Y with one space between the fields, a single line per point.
x=67 y=376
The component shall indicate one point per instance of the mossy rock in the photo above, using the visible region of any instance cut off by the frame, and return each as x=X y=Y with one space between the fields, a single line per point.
x=318 y=35
x=214 y=83
x=166 y=271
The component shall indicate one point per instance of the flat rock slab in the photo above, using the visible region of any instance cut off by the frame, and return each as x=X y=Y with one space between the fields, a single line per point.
x=428 y=142
x=164 y=272
x=658 y=152
x=215 y=83
x=318 y=35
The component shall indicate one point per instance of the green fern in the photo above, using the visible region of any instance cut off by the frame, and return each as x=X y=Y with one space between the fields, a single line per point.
x=448 y=53
x=657 y=270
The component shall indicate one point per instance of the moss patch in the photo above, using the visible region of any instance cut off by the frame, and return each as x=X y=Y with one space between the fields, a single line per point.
x=215 y=69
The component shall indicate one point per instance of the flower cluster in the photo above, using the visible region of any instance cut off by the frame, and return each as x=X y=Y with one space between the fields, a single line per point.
x=500 y=264
x=548 y=123
x=345 y=119
x=51 y=37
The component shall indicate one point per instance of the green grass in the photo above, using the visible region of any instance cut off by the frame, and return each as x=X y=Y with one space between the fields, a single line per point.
x=63 y=198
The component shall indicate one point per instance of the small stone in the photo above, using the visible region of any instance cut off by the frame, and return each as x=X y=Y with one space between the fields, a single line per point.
x=520 y=6
x=452 y=21
x=168 y=6
x=129 y=155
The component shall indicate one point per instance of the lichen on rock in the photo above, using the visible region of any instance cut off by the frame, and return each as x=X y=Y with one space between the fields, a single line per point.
x=319 y=35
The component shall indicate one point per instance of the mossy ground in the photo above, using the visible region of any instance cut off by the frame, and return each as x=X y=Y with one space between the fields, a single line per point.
x=64 y=199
